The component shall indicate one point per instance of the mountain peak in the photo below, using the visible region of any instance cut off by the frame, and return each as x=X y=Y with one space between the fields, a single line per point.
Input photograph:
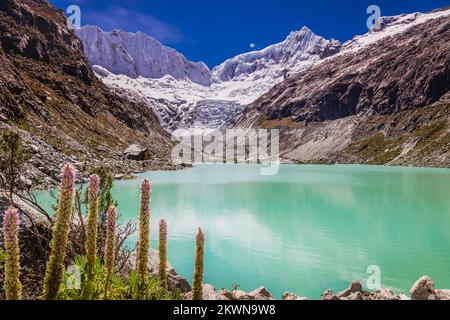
x=139 y=55
x=304 y=31
x=299 y=49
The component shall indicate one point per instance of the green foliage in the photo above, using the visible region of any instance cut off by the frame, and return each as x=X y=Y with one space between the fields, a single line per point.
x=105 y=199
x=151 y=289
x=120 y=287
x=2 y=271
x=78 y=291
x=2 y=259
x=13 y=156
x=377 y=149
x=432 y=137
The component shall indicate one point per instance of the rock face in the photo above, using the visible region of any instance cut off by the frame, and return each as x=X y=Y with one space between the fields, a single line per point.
x=174 y=280
x=371 y=102
x=381 y=79
x=422 y=289
x=49 y=90
x=139 y=55
x=354 y=288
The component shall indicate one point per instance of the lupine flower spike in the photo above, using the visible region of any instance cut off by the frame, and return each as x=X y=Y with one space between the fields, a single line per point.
x=11 y=222
x=142 y=263
x=55 y=266
x=110 y=247
x=91 y=234
x=197 y=291
x=162 y=249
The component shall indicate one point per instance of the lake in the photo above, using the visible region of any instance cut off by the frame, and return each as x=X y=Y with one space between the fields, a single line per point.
x=306 y=229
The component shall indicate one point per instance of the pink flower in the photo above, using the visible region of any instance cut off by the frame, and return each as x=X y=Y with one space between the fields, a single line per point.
x=68 y=178
x=146 y=189
x=111 y=220
x=94 y=185
x=11 y=222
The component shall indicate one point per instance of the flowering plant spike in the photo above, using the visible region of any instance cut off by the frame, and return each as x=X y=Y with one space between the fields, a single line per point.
x=162 y=250
x=91 y=232
x=142 y=263
x=197 y=290
x=110 y=246
x=11 y=222
x=55 y=266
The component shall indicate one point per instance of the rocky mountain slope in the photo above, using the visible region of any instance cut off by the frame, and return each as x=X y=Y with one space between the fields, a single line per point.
x=49 y=92
x=383 y=99
x=220 y=95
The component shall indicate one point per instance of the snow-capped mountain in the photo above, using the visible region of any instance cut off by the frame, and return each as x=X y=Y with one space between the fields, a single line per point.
x=278 y=60
x=144 y=70
x=139 y=55
x=371 y=102
x=391 y=26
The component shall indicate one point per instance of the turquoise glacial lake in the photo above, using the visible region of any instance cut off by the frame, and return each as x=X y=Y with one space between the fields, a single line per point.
x=304 y=230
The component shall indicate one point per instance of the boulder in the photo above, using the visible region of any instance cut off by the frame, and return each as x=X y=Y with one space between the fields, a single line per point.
x=119 y=176
x=403 y=297
x=384 y=294
x=440 y=295
x=355 y=287
x=356 y=296
x=137 y=152
x=235 y=295
x=288 y=296
x=422 y=289
x=209 y=293
x=329 y=295
x=260 y=294
x=33 y=148
x=174 y=281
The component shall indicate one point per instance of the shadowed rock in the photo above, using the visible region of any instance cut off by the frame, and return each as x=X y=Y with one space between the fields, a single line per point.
x=422 y=289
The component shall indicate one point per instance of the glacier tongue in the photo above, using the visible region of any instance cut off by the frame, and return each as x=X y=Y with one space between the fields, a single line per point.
x=183 y=93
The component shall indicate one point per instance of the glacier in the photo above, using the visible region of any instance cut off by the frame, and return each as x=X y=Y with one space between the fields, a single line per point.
x=184 y=93
x=140 y=68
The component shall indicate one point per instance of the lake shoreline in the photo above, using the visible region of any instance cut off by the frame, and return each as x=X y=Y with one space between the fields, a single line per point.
x=127 y=175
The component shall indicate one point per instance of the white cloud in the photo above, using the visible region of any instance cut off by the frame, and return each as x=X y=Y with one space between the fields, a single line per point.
x=121 y=18
x=252 y=45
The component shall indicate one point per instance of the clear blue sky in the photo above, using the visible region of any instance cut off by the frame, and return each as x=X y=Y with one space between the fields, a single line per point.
x=215 y=30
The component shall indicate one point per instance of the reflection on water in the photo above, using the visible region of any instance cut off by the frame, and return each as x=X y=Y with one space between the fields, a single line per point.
x=304 y=230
